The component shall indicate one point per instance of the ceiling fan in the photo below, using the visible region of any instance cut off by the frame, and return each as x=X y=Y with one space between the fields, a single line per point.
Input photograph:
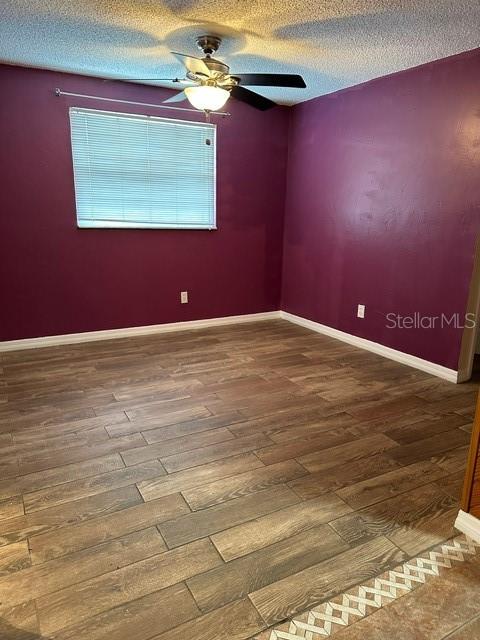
x=212 y=84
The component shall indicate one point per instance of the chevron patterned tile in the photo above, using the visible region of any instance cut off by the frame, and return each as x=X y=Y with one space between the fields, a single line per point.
x=345 y=609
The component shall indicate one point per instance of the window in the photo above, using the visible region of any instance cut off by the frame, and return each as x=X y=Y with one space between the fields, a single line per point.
x=142 y=171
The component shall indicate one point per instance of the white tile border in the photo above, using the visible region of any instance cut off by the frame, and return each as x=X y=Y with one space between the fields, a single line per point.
x=375 y=347
x=345 y=609
x=469 y=525
x=112 y=334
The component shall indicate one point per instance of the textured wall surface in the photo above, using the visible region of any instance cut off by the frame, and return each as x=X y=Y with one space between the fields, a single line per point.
x=55 y=278
x=383 y=205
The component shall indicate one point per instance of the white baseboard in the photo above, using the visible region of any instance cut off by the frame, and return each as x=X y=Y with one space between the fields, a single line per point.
x=111 y=334
x=418 y=363
x=468 y=524
x=128 y=332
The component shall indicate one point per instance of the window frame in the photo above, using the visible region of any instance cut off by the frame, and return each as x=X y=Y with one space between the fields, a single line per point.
x=106 y=224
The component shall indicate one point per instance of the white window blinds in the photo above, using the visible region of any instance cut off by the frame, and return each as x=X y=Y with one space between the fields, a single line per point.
x=142 y=171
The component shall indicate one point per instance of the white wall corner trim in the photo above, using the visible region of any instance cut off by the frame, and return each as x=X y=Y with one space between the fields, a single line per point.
x=468 y=524
x=129 y=332
x=387 y=352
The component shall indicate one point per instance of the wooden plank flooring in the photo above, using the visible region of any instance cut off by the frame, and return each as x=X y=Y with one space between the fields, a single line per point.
x=210 y=483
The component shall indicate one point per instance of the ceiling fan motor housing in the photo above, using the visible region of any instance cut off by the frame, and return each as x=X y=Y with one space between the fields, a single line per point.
x=208 y=44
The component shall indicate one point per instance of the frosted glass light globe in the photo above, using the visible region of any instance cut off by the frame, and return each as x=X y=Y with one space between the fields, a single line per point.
x=207 y=98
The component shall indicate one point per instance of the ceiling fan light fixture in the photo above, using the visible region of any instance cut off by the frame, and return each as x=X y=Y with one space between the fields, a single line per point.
x=207 y=98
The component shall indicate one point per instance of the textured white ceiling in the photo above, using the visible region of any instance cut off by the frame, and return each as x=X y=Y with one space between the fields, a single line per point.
x=333 y=44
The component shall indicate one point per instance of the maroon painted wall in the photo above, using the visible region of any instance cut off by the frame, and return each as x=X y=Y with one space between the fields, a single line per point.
x=55 y=278
x=383 y=205
x=382 y=208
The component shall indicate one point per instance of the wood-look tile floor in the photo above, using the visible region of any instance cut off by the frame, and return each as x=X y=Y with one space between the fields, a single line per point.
x=208 y=484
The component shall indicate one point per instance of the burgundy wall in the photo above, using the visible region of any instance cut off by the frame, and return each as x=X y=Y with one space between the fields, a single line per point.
x=383 y=204
x=382 y=208
x=55 y=278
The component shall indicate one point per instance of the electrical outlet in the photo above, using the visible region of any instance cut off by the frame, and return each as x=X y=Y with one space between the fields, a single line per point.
x=184 y=297
x=361 y=311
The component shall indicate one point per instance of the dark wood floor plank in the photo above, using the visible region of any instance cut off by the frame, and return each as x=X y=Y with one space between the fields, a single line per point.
x=453 y=460
x=164 y=417
x=253 y=386
x=302 y=590
x=464 y=402
x=385 y=407
x=58 y=574
x=302 y=446
x=19 y=622
x=348 y=452
x=266 y=530
x=222 y=516
x=91 y=486
x=203 y=455
x=11 y=507
x=153 y=434
x=236 y=621
x=67 y=540
x=407 y=419
x=23 y=425
x=197 y=476
x=8 y=467
x=53 y=429
x=453 y=484
x=431 y=427
x=60 y=475
x=343 y=475
x=274 y=403
x=412 y=510
x=242 y=484
x=6 y=440
x=47 y=460
x=64 y=441
x=138 y=619
x=32 y=524
x=313 y=427
x=79 y=602
x=288 y=422
x=170 y=425
x=415 y=538
x=14 y=557
x=429 y=447
x=390 y=484
x=176 y=445
x=238 y=578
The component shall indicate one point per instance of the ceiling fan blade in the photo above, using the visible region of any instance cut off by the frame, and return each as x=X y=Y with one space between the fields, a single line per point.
x=252 y=98
x=178 y=97
x=195 y=65
x=271 y=80
x=153 y=79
